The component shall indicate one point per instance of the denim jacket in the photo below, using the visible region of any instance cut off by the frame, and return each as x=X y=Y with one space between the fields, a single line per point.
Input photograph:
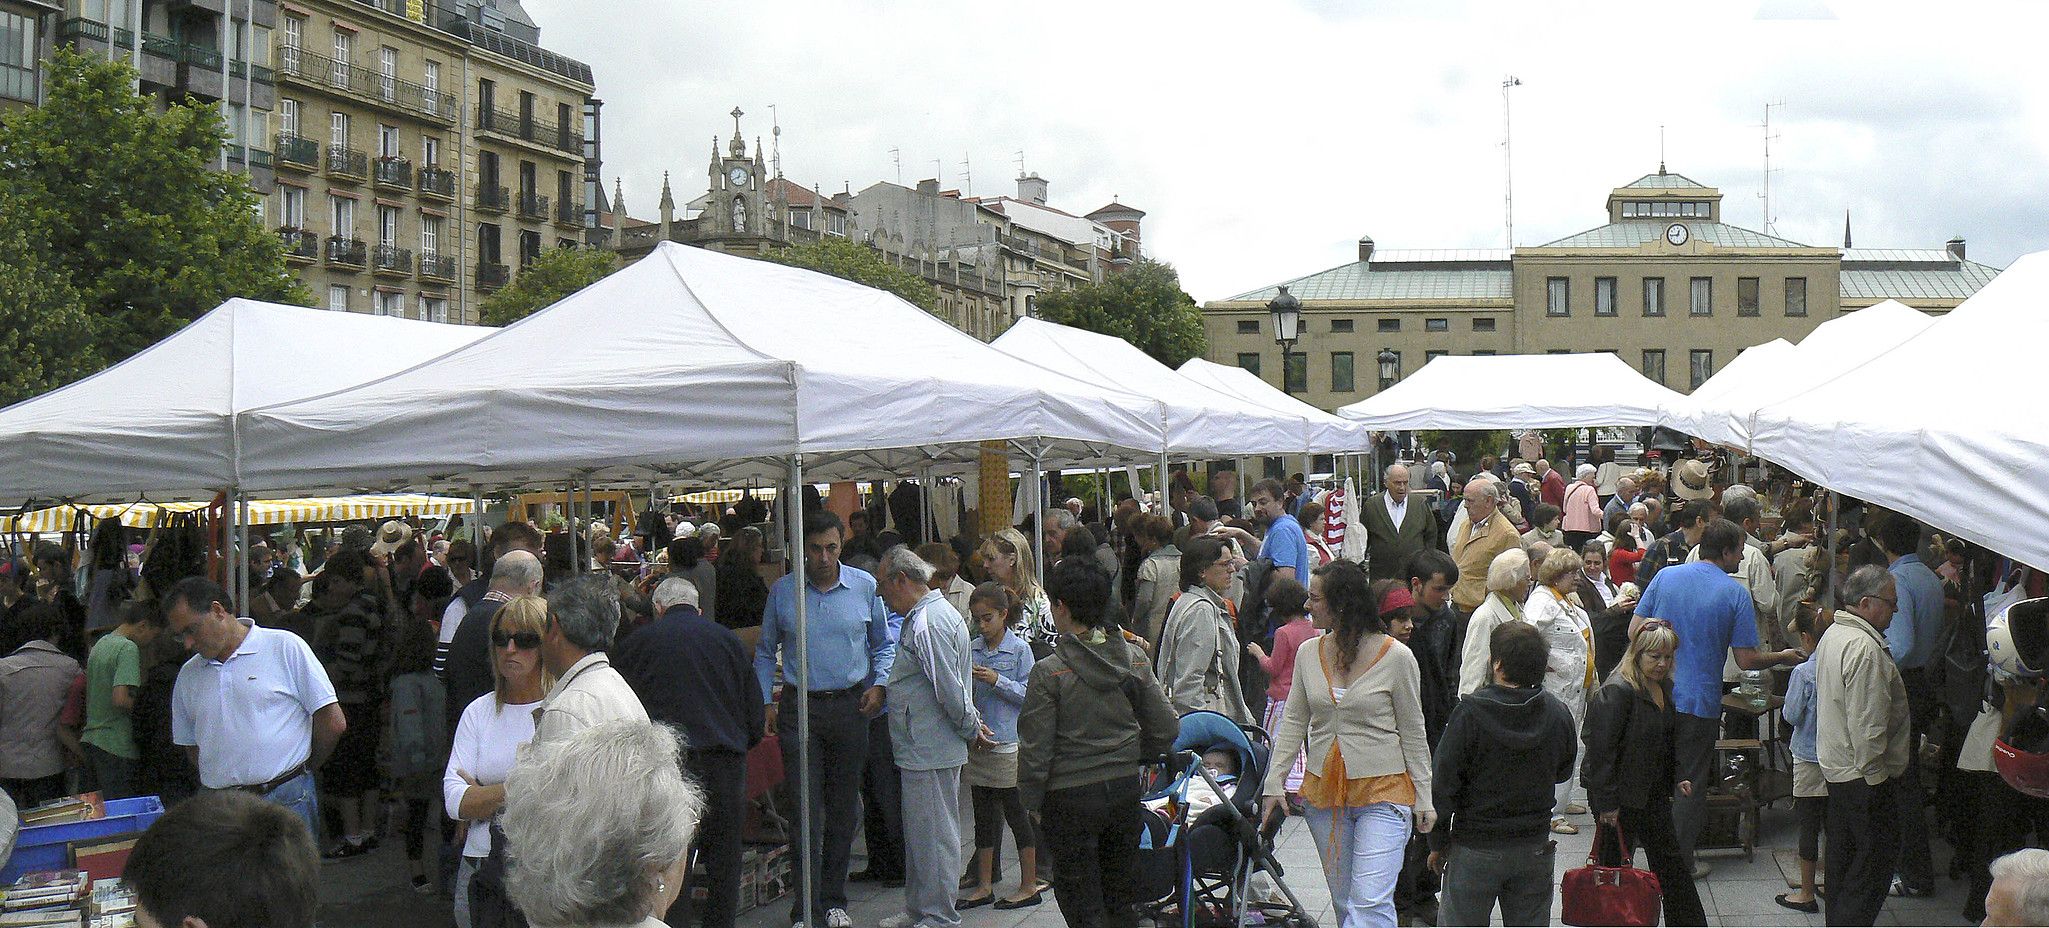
x=1000 y=702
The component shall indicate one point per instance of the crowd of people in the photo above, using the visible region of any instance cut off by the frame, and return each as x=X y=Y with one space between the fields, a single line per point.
x=555 y=740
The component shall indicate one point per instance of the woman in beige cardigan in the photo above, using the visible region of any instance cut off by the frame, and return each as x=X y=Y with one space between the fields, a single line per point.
x=1355 y=703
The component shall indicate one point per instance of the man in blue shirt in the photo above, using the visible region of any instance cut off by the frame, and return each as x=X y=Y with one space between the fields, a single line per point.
x=851 y=648
x=1712 y=614
x=1284 y=543
x=1914 y=637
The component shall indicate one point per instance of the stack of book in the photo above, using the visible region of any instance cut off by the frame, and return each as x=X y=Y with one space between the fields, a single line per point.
x=84 y=807
x=46 y=899
x=112 y=906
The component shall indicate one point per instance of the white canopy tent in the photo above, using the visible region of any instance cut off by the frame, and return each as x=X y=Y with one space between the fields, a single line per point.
x=1200 y=421
x=1700 y=413
x=1516 y=391
x=1942 y=426
x=1834 y=348
x=696 y=365
x=1247 y=386
x=163 y=421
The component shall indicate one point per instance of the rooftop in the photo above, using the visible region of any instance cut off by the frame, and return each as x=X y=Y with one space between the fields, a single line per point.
x=1378 y=280
x=1664 y=181
x=1948 y=280
x=1633 y=234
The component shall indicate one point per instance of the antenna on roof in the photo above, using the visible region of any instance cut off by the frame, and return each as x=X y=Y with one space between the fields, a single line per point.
x=1020 y=163
x=897 y=156
x=1770 y=221
x=967 y=175
x=1507 y=163
x=776 y=144
x=1661 y=149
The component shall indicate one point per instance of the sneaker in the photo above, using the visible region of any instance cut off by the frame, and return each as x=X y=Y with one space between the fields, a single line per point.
x=1575 y=808
x=1560 y=826
x=838 y=918
x=899 y=920
x=1701 y=869
x=1902 y=890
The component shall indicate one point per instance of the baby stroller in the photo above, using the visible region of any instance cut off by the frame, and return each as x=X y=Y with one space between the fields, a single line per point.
x=1196 y=868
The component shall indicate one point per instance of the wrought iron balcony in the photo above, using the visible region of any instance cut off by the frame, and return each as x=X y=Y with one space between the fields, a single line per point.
x=391 y=259
x=492 y=276
x=347 y=163
x=562 y=137
x=533 y=206
x=301 y=66
x=569 y=214
x=436 y=266
x=493 y=197
x=394 y=172
x=343 y=251
x=300 y=244
x=296 y=152
x=435 y=182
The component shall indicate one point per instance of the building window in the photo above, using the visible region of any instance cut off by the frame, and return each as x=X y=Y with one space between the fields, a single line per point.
x=1700 y=365
x=291 y=207
x=1432 y=355
x=390 y=304
x=430 y=79
x=1296 y=366
x=338 y=297
x=1629 y=209
x=488 y=244
x=344 y=55
x=434 y=309
x=1248 y=327
x=1483 y=325
x=1341 y=372
x=1701 y=297
x=17 y=57
x=1483 y=352
x=1796 y=296
x=1654 y=365
x=1249 y=361
x=836 y=223
x=1437 y=325
x=1654 y=296
x=801 y=219
x=338 y=130
x=288 y=116
x=529 y=248
x=430 y=152
x=1557 y=296
x=387 y=73
x=1388 y=325
x=430 y=235
x=1746 y=296
x=387 y=141
x=1604 y=296
x=387 y=225
x=1340 y=326
x=343 y=211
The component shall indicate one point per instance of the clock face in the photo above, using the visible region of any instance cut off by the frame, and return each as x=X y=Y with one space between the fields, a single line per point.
x=738 y=176
x=1676 y=233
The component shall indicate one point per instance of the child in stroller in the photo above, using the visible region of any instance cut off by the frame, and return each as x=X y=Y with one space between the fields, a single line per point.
x=1202 y=860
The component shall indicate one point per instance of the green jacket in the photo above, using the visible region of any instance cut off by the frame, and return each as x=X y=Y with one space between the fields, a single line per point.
x=1092 y=713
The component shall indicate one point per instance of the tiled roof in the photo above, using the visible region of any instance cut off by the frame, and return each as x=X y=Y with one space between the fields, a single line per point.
x=1897 y=256
x=1666 y=182
x=1953 y=280
x=1440 y=255
x=1361 y=280
x=1632 y=234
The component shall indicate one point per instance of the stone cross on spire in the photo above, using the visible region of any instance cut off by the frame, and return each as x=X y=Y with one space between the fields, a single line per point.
x=739 y=145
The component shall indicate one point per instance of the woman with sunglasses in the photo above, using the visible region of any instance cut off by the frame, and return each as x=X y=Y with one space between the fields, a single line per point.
x=491 y=732
x=1631 y=768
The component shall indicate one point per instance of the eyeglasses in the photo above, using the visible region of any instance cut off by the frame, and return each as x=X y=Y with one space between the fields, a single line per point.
x=527 y=641
x=1888 y=600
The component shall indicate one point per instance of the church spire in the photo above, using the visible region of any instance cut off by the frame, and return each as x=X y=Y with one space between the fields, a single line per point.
x=1846 y=228
x=739 y=145
x=668 y=207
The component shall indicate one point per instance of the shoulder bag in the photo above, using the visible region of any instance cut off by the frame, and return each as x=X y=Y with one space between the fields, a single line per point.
x=1597 y=895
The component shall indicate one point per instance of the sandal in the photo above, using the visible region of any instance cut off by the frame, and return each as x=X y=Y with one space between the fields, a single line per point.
x=1902 y=890
x=1810 y=907
x=1560 y=826
x=975 y=903
x=1007 y=904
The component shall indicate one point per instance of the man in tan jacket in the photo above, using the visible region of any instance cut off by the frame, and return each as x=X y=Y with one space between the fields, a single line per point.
x=1861 y=739
x=1483 y=537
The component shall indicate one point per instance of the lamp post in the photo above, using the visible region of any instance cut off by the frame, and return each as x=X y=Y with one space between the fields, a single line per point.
x=1287 y=318
x=1390 y=371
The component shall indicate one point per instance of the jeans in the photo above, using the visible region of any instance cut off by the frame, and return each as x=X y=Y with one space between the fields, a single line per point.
x=932 y=851
x=1362 y=856
x=839 y=747
x=297 y=794
x=1693 y=744
x=114 y=774
x=723 y=774
x=1519 y=876
x=1863 y=844
x=1650 y=828
x=882 y=820
x=1093 y=832
x=463 y=872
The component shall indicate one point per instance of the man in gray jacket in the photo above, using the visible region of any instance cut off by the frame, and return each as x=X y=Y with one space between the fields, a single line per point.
x=932 y=722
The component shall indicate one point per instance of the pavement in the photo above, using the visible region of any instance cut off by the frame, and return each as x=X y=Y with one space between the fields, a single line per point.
x=372 y=891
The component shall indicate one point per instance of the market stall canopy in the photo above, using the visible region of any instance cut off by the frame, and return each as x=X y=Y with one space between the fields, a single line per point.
x=1248 y=386
x=301 y=511
x=1833 y=349
x=1200 y=421
x=1701 y=412
x=695 y=366
x=1516 y=391
x=162 y=422
x=1944 y=426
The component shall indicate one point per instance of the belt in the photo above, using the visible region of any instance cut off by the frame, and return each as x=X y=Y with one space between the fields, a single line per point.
x=265 y=789
x=852 y=692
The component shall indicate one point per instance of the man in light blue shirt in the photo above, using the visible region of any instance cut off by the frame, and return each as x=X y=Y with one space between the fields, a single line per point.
x=1284 y=543
x=851 y=645
x=1914 y=637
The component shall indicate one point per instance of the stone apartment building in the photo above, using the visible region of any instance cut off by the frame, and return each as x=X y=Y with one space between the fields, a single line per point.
x=28 y=28
x=1664 y=283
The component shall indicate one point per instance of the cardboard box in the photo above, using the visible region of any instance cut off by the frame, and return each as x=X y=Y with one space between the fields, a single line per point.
x=774 y=878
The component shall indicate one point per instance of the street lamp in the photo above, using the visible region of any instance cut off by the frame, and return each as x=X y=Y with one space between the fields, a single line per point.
x=1390 y=367
x=1287 y=317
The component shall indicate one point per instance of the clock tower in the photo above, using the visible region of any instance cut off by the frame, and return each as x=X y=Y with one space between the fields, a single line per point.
x=738 y=203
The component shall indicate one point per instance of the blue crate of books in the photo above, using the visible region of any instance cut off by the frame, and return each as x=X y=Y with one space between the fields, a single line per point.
x=48 y=846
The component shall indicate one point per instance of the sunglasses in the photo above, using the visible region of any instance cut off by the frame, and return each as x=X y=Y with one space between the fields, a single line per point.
x=527 y=641
x=1652 y=623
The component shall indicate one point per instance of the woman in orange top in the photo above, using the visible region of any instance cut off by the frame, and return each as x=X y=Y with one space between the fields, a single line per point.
x=1355 y=711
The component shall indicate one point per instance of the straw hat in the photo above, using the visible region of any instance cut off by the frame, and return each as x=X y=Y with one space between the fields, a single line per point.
x=1690 y=480
x=391 y=536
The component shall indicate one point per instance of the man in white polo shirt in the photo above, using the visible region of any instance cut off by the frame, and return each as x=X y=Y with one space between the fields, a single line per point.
x=253 y=707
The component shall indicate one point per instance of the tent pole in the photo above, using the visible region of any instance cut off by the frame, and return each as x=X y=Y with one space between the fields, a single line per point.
x=925 y=506
x=793 y=526
x=589 y=552
x=1166 y=498
x=477 y=526
x=1038 y=522
x=1835 y=509
x=242 y=542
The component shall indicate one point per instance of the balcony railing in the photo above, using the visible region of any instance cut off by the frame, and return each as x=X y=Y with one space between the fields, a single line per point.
x=321 y=71
x=437 y=267
x=258 y=157
x=238 y=69
x=391 y=259
x=435 y=182
x=345 y=252
x=294 y=151
x=494 y=197
x=564 y=138
x=300 y=244
x=394 y=172
x=347 y=162
x=569 y=214
x=492 y=276
x=533 y=206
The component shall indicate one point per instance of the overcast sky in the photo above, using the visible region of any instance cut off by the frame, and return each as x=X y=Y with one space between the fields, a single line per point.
x=1264 y=138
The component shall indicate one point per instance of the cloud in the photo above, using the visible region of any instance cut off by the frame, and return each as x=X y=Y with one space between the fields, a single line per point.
x=1264 y=139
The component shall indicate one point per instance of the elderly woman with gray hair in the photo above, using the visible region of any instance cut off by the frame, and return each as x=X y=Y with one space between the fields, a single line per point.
x=1582 y=509
x=599 y=827
x=1508 y=584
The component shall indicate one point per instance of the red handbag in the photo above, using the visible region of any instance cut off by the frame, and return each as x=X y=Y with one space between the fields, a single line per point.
x=1594 y=895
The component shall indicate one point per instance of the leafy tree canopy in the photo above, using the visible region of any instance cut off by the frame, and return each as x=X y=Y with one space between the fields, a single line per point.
x=556 y=274
x=851 y=260
x=117 y=227
x=1143 y=305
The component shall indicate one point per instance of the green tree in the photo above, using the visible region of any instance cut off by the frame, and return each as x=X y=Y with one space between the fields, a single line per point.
x=555 y=274
x=850 y=260
x=1144 y=305
x=127 y=224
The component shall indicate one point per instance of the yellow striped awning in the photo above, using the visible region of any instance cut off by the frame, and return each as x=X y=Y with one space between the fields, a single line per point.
x=261 y=512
